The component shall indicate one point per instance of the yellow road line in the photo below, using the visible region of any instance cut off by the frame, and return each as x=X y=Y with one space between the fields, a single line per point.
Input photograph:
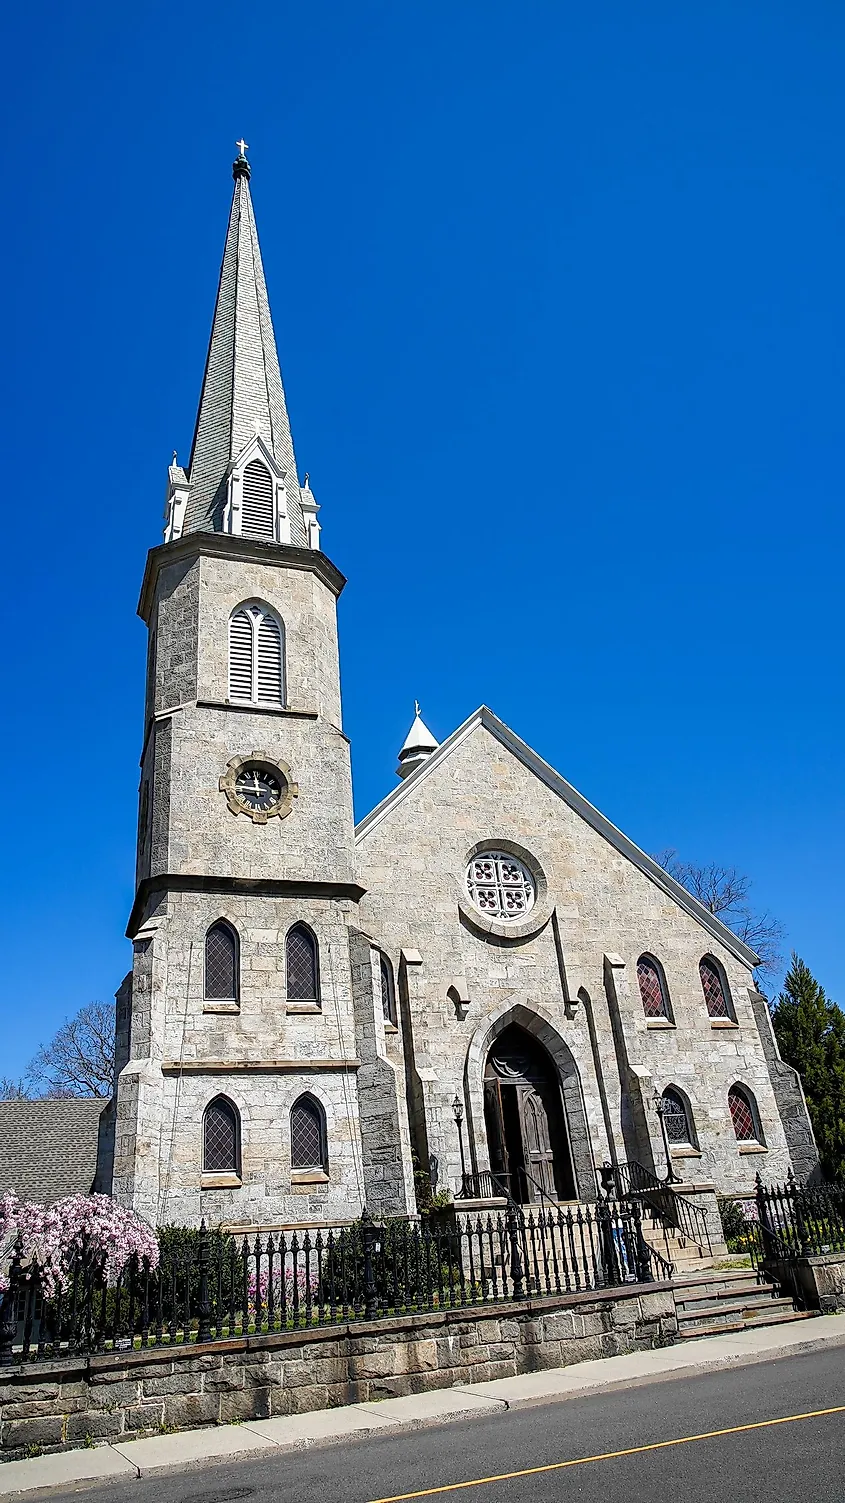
x=657 y=1445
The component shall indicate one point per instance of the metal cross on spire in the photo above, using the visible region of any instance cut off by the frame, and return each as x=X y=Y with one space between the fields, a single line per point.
x=242 y=147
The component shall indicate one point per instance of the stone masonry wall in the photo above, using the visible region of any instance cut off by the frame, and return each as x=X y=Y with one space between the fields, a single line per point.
x=413 y=862
x=54 y=1406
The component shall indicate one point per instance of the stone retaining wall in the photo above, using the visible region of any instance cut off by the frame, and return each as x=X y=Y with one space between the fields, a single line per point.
x=51 y=1406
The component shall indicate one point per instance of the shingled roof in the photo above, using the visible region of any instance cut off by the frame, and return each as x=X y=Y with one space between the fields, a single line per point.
x=48 y=1148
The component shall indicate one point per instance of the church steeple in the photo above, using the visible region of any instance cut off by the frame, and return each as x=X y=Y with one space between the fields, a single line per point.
x=242 y=422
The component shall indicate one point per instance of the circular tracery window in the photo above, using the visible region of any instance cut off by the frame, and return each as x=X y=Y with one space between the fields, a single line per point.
x=499 y=885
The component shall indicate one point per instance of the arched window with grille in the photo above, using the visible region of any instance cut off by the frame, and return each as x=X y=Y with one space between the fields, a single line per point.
x=256 y=656
x=302 y=966
x=388 y=990
x=308 y=1148
x=744 y=1115
x=221 y=978
x=677 y=1117
x=257 y=505
x=715 y=987
x=653 y=990
x=221 y=1137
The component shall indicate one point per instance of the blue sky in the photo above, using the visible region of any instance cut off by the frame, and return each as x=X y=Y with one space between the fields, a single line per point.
x=559 y=299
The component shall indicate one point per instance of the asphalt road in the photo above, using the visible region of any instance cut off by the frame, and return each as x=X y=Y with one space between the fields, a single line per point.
x=802 y=1459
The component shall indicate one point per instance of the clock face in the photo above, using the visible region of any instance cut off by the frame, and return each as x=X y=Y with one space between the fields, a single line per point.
x=258 y=789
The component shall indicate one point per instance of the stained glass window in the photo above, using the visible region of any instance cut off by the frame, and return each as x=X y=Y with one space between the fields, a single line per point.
x=499 y=885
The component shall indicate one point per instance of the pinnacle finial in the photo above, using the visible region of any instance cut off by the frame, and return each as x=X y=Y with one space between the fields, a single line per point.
x=416 y=707
x=240 y=166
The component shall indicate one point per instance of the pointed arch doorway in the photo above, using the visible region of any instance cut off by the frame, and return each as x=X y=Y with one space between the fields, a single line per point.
x=524 y=1118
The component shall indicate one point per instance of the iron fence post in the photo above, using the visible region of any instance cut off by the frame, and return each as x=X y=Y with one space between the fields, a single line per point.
x=369 y=1234
x=642 y=1249
x=800 y=1223
x=9 y=1307
x=512 y=1223
x=204 y=1306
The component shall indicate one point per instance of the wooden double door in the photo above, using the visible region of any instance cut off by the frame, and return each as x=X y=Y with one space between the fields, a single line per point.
x=523 y=1112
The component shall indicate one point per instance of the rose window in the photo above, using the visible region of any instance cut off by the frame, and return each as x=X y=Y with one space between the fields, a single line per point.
x=499 y=885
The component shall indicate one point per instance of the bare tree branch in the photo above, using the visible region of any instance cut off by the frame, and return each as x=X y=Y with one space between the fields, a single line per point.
x=724 y=891
x=14 y=1090
x=79 y=1060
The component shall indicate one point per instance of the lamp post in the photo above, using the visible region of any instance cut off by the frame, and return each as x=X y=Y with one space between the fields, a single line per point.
x=458 y=1114
x=660 y=1107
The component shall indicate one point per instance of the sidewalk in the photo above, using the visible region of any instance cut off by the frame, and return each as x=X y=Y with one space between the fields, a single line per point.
x=198 y=1448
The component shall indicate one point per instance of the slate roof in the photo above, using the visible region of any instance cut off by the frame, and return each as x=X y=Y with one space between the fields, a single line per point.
x=48 y=1148
x=484 y=717
x=242 y=385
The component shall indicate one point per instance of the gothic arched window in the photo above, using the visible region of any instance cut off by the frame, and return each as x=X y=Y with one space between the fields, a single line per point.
x=678 y=1119
x=715 y=988
x=308 y=1135
x=744 y=1115
x=257 y=507
x=256 y=656
x=221 y=963
x=221 y=1137
x=388 y=991
x=652 y=988
x=302 y=965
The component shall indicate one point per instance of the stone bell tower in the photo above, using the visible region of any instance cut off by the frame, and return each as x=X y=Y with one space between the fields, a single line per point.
x=237 y=1052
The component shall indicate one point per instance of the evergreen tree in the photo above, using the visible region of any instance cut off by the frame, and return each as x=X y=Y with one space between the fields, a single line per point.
x=810 y=1030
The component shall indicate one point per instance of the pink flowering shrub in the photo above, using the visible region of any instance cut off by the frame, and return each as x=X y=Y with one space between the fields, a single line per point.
x=55 y=1236
x=264 y=1286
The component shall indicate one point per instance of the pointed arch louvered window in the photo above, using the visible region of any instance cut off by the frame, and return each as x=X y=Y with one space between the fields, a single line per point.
x=256 y=657
x=257 y=519
x=303 y=976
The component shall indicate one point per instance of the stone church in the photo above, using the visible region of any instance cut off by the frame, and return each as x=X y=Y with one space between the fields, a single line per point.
x=485 y=985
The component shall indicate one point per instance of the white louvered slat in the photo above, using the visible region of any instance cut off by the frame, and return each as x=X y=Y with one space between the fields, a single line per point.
x=257 y=520
x=270 y=688
x=240 y=656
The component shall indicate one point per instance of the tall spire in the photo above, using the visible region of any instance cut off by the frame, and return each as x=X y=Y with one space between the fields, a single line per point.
x=242 y=396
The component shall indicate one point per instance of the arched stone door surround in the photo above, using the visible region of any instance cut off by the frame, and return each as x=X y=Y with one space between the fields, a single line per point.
x=572 y=1096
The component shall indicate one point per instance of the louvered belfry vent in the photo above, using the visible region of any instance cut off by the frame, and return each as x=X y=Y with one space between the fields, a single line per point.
x=257 y=520
x=256 y=657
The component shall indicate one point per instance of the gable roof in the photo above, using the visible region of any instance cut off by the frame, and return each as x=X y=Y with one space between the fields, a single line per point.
x=485 y=718
x=48 y=1148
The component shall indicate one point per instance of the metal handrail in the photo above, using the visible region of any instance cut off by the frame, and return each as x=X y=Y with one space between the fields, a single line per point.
x=672 y=1210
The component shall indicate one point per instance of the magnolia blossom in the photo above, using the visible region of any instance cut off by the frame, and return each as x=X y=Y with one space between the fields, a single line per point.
x=55 y=1236
x=263 y=1286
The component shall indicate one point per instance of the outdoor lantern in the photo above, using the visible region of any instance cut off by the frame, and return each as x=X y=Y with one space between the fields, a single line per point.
x=458 y=1109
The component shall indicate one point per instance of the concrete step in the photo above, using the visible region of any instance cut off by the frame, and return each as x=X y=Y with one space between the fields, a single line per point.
x=690 y=1296
x=727 y=1313
x=695 y=1333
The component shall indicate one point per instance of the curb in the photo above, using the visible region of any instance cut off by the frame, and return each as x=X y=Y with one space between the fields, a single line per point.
x=194 y=1450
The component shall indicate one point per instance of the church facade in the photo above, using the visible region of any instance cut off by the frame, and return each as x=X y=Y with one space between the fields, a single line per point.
x=486 y=985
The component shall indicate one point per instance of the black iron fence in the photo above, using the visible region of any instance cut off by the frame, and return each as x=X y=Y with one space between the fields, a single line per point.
x=672 y=1212
x=800 y=1221
x=214 y=1286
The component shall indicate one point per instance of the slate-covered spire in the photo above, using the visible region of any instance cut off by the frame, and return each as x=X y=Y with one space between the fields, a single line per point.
x=242 y=395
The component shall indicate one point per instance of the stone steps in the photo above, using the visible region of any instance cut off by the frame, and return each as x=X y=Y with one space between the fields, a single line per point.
x=723 y=1301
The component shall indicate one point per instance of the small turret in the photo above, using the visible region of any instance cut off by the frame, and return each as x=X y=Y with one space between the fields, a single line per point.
x=418 y=747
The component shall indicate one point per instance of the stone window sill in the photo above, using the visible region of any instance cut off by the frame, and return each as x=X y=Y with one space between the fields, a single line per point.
x=752 y=1148
x=390 y=1027
x=221 y=1182
x=723 y=1023
x=255 y=709
x=686 y=1153
x=308 y=1177
x=660 y=1023
x=221 y=1006
x=311 y=1009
